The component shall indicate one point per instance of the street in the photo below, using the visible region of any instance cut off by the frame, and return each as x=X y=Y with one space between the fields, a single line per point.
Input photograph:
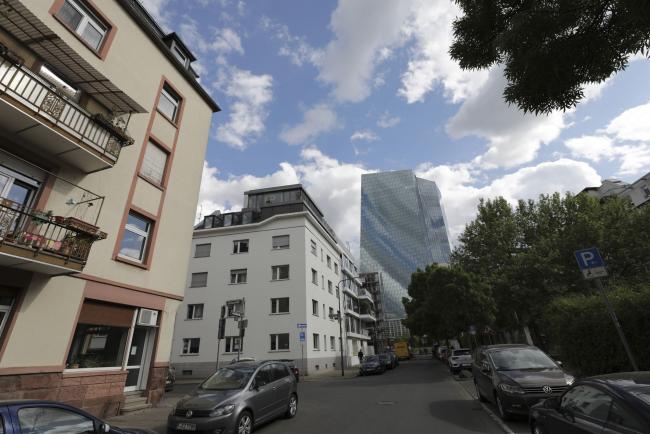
x=419 y=396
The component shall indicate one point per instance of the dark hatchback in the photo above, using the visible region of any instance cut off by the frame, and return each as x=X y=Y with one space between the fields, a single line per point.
x=32 y=417
x=515 y=377
x=236 y=398
x=371 y=365
x=607 y=404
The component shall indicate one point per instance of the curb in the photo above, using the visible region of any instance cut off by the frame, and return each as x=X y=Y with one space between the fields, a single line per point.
x=506 y=429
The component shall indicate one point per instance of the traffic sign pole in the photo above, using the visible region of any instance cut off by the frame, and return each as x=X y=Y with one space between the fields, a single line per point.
x=617 y=325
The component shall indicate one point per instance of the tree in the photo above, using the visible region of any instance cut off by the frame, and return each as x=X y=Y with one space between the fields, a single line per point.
x=445 y=301
x=551 y=49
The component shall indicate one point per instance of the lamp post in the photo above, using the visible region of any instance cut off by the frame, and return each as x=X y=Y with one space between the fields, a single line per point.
x=339 y=316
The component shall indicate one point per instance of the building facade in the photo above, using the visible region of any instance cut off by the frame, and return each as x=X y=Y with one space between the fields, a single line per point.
x=99 y=164
x=638 y=191
x=402 y=229
x=276 y=265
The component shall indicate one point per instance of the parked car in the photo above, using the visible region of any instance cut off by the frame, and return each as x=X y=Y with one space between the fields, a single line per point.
x=460 y=359
x=441 y=353
x=614 y=403
x=515 y=377
x=292 y=366
x=170 y=380
x=32 y=416
x=236 y=398
x=242 y=359
x=371 y=365
x=386 y=360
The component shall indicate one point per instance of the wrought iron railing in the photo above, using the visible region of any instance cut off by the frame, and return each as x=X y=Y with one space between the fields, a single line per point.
x=68 y=238
x=44 y=100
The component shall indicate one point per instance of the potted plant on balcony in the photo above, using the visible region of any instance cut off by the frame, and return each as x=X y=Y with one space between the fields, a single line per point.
x=39 y=217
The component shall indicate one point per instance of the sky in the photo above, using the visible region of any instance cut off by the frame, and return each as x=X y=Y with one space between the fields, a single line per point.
x=319 y=92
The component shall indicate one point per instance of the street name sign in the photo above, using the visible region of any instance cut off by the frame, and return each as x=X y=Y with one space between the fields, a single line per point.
x=591 y=263
x=302 y=325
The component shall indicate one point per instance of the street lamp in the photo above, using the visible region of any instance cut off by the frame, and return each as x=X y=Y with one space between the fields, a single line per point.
x=338 y=317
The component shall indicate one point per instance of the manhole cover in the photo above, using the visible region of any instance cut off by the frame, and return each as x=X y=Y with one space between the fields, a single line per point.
x=386 y=402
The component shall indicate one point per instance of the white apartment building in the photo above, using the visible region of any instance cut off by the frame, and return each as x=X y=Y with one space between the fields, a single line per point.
x=277 y=264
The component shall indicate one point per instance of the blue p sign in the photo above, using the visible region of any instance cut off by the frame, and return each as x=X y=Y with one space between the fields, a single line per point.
x=591 y=263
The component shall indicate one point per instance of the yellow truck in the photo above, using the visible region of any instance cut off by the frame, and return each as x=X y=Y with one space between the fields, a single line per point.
x=402 y=351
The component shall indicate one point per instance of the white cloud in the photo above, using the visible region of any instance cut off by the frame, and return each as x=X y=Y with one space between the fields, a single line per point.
x=339 y=198
x=367 y=135
x=221 y=41
x=460 y=197
x=317 y=120
x=430 y=64
x=226 y=40
x=250 y=94
x=349 y=60
x=514 y=137
x=591 y=147
x=159 y=9
x=632 y=124
x=297 y=49
x=388 y=121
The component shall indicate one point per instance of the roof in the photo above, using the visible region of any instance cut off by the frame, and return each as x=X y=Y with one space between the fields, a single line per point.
x=156 y=34
x=284 y=188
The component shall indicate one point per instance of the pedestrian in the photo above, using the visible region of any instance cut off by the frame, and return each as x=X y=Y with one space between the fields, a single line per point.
x=360 y=354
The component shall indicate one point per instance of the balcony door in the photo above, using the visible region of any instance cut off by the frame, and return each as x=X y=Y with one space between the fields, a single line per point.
x=21 y=191
x=139 y=358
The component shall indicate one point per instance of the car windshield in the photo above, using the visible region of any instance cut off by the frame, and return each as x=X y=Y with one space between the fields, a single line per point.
x=512 y=359
x=227 y=379
x=371 y=359
x=461 y=353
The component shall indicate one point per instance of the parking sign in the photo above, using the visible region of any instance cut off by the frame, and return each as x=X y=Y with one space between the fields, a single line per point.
x=302 y=336
x=591 y=263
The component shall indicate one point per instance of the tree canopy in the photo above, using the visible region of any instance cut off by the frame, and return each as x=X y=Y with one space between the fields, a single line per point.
x=550 y=49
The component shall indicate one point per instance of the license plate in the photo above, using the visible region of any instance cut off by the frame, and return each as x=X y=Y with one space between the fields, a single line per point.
x=186 y=427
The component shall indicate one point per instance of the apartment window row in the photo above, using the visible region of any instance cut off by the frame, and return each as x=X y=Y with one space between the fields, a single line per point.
x=315 y=311
x=330 y=262
x=317 y=345
x=239 y=276
x=278 y=242
x=278 y=306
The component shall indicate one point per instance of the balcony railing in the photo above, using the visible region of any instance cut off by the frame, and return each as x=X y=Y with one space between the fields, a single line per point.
x=40 y=97
x=58 y=241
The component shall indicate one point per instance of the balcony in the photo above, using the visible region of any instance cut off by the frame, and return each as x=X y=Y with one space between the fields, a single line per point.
x=364 y=295
x=32 y=110
x=367 y=316
x=34 y=241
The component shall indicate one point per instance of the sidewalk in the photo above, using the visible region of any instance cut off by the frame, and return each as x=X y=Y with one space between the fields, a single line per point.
x=330 y=374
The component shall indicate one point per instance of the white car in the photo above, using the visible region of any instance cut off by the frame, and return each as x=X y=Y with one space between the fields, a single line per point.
x=460 y=359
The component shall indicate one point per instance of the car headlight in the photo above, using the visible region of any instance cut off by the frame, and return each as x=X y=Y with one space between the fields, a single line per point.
x=511 y=388
x=569 y=379
x=223 y=411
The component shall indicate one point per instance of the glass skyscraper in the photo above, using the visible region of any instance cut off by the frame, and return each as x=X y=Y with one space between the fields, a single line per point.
x=402 y=229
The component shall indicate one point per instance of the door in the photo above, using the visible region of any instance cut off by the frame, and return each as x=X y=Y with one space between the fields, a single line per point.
x=139 y=358
x=18 y=189
x=281 y=386
x=263 y=395
x=483 y=379
x=583 y=410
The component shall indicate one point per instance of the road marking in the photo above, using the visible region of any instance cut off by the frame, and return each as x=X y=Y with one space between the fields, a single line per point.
x=497 y=419
x=386 y=402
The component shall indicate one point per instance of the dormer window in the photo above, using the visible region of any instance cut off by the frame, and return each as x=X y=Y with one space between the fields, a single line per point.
x=180 y=54
x=84 y=23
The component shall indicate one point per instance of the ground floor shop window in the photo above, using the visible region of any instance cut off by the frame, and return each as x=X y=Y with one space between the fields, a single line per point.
x=97 y=346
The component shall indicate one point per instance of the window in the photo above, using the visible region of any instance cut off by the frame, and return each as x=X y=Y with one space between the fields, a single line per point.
x=621 y=416
x=316 y=340
x=179 y=54
x=135 y=239
x=199 y=280
x=83 y=23
x=240 y=246
x=338 y=294
x=191 y=345
x=280 y=342
x=169 y=103
x=6 y=302
x=234 y=308
x=281 y=242
x=322 y=280
x=195 y=311
x=321 y=254
x=314 y=277
x=36 y=420
x=280 y=272
x=97 y=346
x=324 y=342
x=238 y=276
x=232 y=344
x=332 y=343
x=154 y=163
x=587 y=401
x=323 y=310
x=329 y=262
x=202 y=250
x=332 y=314
x=336 y=268
x=314 y=307
x=313 y=248
x=279 y=371
x=280 y=305
x=329 y=287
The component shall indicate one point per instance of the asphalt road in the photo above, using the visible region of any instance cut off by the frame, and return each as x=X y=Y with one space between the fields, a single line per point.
x=420 y=396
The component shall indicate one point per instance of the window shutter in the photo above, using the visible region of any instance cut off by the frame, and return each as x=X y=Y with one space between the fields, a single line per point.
x=202 y=250
x=199 y=279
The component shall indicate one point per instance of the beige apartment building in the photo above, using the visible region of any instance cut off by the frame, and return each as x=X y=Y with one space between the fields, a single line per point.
x=103 y=131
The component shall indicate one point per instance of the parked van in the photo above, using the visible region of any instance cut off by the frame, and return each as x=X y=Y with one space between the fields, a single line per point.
x=401 y=350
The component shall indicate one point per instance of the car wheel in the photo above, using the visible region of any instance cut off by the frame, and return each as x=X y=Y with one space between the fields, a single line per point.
x=245 y=423
x=292 y=409
x=503 y=414
x=479 y=395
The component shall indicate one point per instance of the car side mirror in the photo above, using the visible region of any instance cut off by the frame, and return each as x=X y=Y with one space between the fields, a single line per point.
x=559 y=363
x=104 y=428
